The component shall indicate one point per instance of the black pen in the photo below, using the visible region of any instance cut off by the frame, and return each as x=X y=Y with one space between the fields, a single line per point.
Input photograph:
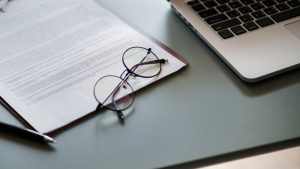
x=26 y=133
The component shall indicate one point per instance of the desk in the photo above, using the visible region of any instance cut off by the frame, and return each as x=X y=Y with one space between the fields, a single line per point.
x=201 y=112
x=287 y=158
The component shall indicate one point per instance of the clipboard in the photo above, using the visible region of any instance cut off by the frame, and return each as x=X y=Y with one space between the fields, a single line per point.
x=57 y=114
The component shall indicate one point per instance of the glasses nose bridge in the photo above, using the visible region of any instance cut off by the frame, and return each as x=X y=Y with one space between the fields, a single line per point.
x=126 y=74
x=129 y=72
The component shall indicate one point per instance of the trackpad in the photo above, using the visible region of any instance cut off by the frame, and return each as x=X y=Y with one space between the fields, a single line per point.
x=294 y=28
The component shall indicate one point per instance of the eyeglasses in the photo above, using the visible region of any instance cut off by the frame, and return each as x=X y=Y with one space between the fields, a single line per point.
x=3 y=3
x=115 y=92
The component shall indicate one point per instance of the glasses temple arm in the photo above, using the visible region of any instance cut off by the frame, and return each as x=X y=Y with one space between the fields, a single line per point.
x=152 y=62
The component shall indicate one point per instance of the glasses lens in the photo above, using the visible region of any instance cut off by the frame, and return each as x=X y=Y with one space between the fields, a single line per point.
x=134 y=56
x=114 y=93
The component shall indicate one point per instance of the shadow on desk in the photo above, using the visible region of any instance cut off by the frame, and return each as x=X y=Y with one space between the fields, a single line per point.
x=238 y=155
x=178 y=31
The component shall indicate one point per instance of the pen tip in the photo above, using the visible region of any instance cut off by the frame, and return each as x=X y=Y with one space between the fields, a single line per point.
x=49 y=139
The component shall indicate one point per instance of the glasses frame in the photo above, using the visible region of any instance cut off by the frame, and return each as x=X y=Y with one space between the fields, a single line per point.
x=128 y=72
x=101 y=104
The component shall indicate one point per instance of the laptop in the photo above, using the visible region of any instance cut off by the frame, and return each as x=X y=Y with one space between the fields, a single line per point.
x=257 y=39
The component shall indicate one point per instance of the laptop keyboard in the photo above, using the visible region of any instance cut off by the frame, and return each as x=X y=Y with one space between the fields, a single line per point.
x=230 y=18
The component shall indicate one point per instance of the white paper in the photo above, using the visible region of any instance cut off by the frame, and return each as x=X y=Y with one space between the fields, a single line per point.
x=52 y=52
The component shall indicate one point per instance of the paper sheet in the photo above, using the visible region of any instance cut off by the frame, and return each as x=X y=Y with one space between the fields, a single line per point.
x=52 y=52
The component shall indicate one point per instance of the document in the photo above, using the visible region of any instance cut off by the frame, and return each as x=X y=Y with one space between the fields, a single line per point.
x=52 y=52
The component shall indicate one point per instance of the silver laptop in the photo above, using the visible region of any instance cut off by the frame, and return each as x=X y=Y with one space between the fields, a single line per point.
x=256 y=38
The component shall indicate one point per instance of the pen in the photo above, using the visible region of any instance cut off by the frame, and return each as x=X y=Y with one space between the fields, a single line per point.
x=26 y=133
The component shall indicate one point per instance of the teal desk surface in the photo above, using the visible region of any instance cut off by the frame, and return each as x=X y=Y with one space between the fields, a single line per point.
x=201 y=112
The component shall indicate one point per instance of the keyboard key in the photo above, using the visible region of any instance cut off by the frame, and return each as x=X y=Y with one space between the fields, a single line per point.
x=264 y=22
x=250 y=26
x=245 y=10
x=233 y=14
x=282 y=6
x=257 y=6
x=281 y=1
x=193 y=2
x=247 y=2
x=210 y=4
x=258 y=14
x=198 y=7
x=294 y=3
x=225 y=34
x=270 y=10
x=286 y=14
x=207 y=13
x=235 y=4
x=269 y=2
x=223 y=8
x=216 y=18
x=222 y=1
x=246 y=18
x=226 y=24
x=238 y=30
